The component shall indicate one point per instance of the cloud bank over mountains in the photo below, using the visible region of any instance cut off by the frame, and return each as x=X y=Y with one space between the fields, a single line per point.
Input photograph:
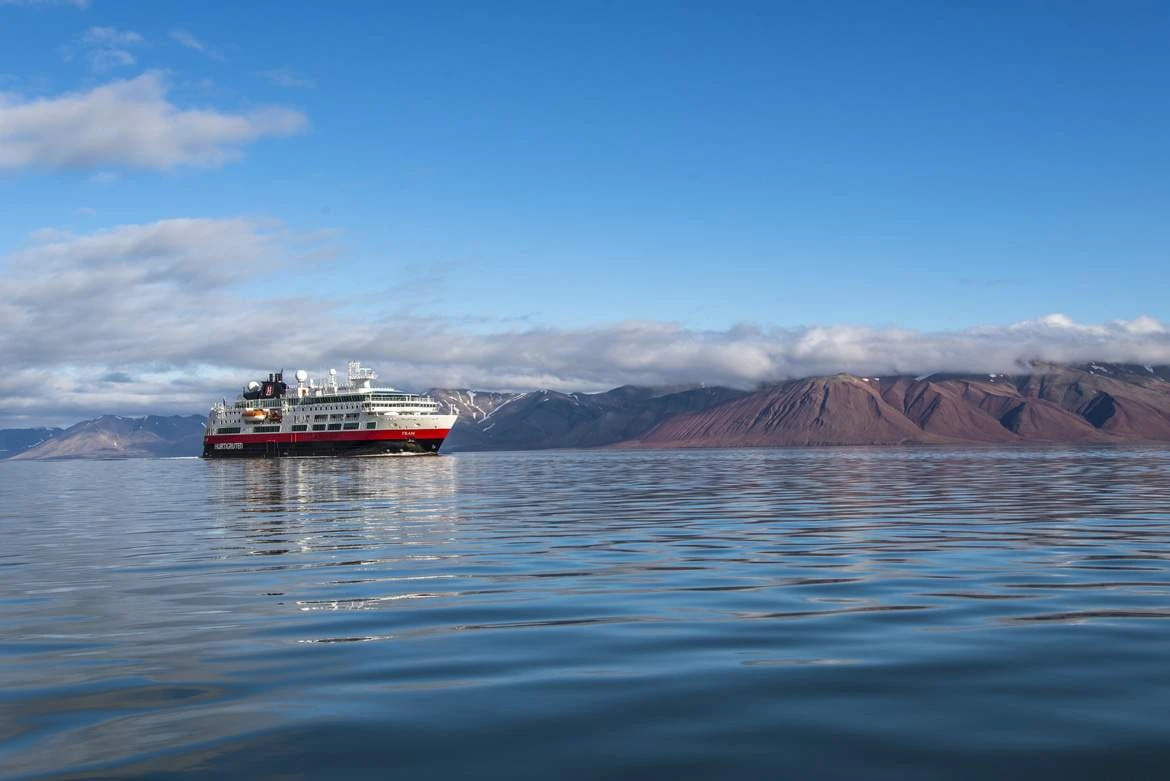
x=164 y=316
x=129 y=124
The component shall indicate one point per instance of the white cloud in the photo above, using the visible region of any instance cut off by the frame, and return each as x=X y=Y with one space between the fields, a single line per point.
x=102 y=60
x=189 y=41
x=129 y=124
x=111 y=36
x=285 y=77
x=105 y=48
x=182 y=306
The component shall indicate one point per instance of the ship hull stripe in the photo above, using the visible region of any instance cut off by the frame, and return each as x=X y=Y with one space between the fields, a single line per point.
x=255 y=448
x=330 y=436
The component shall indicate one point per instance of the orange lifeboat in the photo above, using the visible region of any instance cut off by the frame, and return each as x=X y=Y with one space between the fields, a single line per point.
x=254 y=415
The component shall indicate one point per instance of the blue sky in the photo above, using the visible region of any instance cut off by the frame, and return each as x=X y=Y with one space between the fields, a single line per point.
x=570 y=166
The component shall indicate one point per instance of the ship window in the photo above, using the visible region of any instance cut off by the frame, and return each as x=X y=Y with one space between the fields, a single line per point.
x=320 y=417
x=318 y=427
x=335 y=427
x=351 y=416
x=300 y=428
x=371 y=424
x=228 y=430
x=266 y=429
x=350 y=426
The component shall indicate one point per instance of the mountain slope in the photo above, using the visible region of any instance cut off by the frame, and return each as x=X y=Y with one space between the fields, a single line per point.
x=1132 y=402
x=840 y=410
x=547 y=419
x=116 y=437
x=948 y=411
x=1092 y=403
x=14 y=441
x=470 y=405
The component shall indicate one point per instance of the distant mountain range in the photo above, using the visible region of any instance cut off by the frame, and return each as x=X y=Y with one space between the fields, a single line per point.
x=109 y=436
x=1093 y=403
x=17 y=440
x=546 y=419
x=1088 y=403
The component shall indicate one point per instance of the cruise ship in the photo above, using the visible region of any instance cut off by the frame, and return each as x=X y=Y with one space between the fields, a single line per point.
x=322 y=417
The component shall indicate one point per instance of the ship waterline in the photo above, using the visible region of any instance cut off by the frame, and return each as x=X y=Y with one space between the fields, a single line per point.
x=272 y=419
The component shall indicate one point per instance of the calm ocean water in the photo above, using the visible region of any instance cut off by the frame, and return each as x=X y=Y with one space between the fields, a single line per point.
x=836 y=614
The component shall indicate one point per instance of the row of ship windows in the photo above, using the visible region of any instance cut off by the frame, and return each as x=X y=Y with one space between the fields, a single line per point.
x=335 y=399
x=348 y=416
x=380 y=400
x=375 y=405
x=269 y=403
x=332 y=426
x=298 y=427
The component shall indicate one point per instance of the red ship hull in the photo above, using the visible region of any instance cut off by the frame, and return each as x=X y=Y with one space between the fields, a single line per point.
x=324 y=443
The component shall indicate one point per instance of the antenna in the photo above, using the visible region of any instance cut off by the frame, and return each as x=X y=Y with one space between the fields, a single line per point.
x=359 y=372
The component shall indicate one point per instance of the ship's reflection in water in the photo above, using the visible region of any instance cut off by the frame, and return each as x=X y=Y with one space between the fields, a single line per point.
x=314 y=485
x=849 y=613
x=367 y=515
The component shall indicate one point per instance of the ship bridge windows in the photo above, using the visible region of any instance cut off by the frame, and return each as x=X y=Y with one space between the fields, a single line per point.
x=331 y=399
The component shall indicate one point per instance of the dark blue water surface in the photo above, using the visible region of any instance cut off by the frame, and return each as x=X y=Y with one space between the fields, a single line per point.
x=832 y=614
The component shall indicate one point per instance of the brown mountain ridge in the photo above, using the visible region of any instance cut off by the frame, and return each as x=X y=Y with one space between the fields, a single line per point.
x=1091 y=403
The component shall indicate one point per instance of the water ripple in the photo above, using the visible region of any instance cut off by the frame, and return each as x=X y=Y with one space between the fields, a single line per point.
x=841 y=613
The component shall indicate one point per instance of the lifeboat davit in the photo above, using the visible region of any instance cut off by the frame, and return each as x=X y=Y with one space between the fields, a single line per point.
x=254 y=415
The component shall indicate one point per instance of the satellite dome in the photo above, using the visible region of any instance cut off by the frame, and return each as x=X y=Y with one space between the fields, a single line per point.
x=302 y=375
x=253 y=385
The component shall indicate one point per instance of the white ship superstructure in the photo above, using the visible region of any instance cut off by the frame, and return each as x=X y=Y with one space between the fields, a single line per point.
x=324 y=417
